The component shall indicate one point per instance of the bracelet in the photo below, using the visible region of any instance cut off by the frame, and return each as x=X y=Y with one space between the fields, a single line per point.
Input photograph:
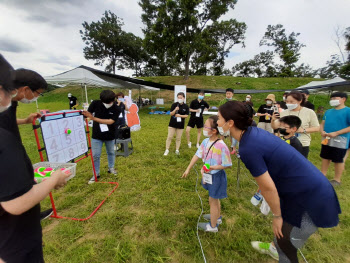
x=277 y=216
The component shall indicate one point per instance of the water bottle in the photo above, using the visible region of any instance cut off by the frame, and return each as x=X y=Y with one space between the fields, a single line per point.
x=256 y=199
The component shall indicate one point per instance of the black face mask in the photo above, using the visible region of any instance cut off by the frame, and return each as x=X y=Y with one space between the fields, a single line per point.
x=283 y=131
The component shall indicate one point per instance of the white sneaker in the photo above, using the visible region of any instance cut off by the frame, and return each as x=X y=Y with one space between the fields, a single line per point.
x=265 y=248
x=207 y=227
x=112 y=171
x=198 y=145
x=166 y=152
x=177 y=152
x=207 y=217
x=189 y=145
x=92 y=179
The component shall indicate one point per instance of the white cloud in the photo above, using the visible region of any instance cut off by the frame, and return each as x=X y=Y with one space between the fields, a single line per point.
x=44 y=35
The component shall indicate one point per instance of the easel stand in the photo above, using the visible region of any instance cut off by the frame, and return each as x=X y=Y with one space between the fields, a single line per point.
x=87 y=154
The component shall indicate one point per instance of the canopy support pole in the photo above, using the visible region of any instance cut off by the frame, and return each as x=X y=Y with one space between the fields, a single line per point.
x=140 y=100
x=87 y=101
x=82 y=92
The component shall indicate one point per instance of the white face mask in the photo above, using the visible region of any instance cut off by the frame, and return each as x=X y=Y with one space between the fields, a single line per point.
x=4 y=108
x=247 y=99
x=222 y=132
x=269 y=102
x=292 y=106
x=180 y=101
x=206 y=133
x=108 y=105
x=26 y=101
x=334 y=103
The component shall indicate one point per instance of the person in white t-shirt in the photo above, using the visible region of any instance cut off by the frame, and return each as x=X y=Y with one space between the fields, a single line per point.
x=309 y=121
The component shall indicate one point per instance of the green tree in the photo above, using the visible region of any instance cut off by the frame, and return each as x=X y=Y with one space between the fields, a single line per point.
x=332 y=67
x=261 y=65
x=108 y=44
x=135 y=56
x=176 y=27
x=345 y=69
x=287 y=47
x=304 y=71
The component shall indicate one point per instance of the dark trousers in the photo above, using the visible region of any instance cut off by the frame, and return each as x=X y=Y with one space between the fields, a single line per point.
x=305 y=151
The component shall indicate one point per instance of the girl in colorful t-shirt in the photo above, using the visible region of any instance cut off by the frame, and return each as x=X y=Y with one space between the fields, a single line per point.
x=216 y=155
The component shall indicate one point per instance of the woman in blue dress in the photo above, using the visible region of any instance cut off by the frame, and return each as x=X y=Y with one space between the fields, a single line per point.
x=299 y=195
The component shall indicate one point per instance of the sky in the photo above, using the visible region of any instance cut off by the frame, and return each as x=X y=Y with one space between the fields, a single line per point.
x=43 y=35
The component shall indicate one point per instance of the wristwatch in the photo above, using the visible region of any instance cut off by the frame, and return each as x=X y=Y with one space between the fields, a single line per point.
x=304 y=131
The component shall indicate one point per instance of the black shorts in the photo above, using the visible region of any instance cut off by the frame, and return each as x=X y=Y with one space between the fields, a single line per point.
x=336 y=155
x=196 y=122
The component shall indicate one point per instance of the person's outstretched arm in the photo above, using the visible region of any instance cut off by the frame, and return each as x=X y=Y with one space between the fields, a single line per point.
x=269 y=192
x=192 y=163
x=36 y=194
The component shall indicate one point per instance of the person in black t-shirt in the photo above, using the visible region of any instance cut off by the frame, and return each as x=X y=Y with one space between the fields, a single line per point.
x=179 y=112
x=265 y=112
x=289 y=126
x=307 y=103
x=103 y=129
x=197 y=107
x=121 y=107
x=20 y=229
x=72 y=101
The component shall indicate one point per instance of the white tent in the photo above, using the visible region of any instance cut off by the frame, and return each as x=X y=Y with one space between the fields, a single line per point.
x=78 y=76
x=335 y=84
x=89 y=77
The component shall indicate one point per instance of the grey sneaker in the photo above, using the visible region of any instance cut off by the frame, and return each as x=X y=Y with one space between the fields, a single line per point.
x=207 y=227
x=112 y=171
x=92 y=179
x=207 y=217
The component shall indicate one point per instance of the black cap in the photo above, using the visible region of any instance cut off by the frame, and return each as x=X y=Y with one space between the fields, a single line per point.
x=6 y=75
x=305 y=91
x=339 y=94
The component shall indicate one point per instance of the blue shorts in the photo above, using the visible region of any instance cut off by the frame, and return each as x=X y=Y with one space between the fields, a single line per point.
x=218 y=189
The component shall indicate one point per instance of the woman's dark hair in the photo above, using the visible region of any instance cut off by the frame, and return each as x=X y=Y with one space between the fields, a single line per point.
x=297 y=95
x=26 y=77
x=107 y=96
x=120 y=94
x=201 y=92
x=181 y=93
x=239 y=112
x=214 y=123
x=5 y=75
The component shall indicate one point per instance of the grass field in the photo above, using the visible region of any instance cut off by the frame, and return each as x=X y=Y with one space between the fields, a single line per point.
x=152 y=216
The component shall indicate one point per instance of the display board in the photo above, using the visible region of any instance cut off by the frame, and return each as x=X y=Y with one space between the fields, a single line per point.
x=61 y=145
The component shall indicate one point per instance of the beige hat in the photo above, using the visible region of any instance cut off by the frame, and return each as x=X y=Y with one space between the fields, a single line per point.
x=271 y=97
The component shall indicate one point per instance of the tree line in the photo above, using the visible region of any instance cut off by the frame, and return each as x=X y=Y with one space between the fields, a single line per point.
x=191 y=38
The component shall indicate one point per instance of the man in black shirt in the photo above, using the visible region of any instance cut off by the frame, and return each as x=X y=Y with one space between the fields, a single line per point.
x=307 y=103
x=104 y=113
x=197 y=107
x=29 y=85
x=72 y=101
x=289 y=125
x=20 y=230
